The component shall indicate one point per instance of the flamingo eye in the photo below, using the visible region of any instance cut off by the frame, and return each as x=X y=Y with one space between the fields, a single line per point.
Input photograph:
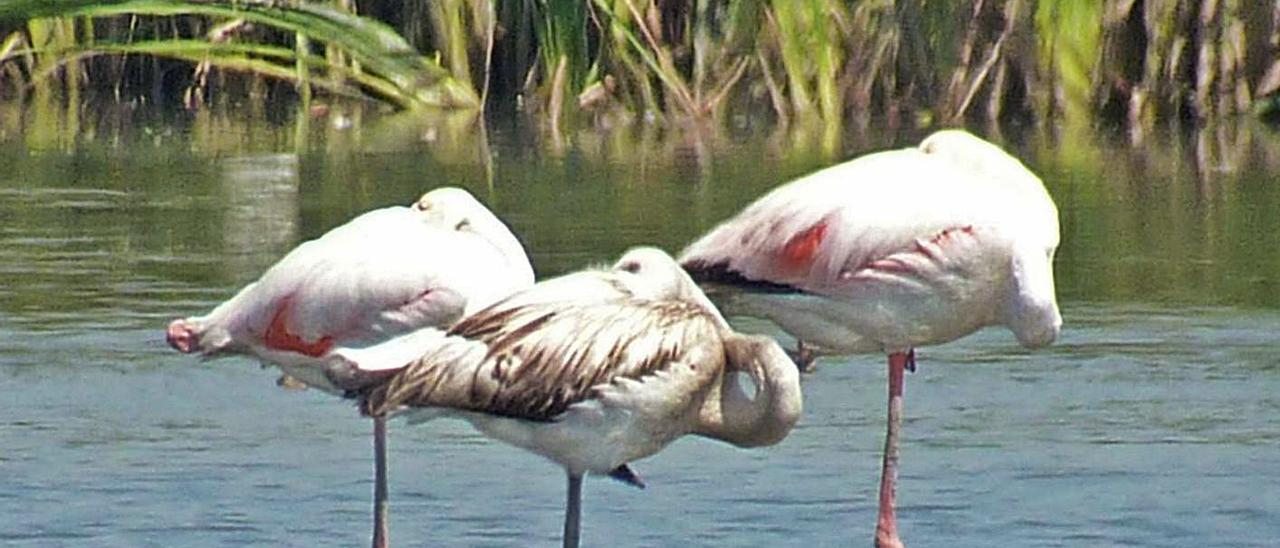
x=630 y=266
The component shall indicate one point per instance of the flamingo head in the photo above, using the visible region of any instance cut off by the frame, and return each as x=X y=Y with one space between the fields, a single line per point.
x=183 y=336
x=451 y=207
x=1031 y=309
x=456 y=209
x=198 y=335
x=653 y=274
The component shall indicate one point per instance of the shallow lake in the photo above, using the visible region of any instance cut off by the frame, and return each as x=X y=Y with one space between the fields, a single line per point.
x=1153 y=420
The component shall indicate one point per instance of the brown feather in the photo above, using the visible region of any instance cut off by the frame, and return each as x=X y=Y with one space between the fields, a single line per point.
x=535 y=361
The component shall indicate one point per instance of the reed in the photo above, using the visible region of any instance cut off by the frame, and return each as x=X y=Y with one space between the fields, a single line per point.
x=389 y=67
x=816 y=64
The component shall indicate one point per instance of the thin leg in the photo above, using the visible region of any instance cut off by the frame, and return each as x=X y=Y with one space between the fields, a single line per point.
x=380 y=482
x=573 y=511
x=805 y=357
x=887 y=523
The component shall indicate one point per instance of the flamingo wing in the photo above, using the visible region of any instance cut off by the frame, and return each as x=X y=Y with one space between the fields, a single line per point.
x=535 y=361
x=812 y=234
x=384 y=273
x=894 y=249
x=897 y=215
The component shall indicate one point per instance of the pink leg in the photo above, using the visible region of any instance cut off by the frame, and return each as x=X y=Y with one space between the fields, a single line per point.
x=887 y=523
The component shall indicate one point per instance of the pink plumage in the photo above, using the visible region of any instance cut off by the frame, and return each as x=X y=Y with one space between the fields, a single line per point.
x=384 y=273
x=891 y=251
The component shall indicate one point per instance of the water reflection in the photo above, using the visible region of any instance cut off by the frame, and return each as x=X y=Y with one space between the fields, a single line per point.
x=1157 y=223
x=260 y=197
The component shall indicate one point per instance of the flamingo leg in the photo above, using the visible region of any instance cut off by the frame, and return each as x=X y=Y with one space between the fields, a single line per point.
x=887 y=523
x=804 y=356
x=573 y=511
x=380 y=481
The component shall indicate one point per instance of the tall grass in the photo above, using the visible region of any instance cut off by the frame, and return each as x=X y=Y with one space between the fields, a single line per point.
x=383 y=63
x=808 y=65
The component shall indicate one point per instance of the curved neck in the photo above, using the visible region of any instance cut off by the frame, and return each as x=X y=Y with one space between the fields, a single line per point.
x=501 y=237
x=729 y=414
x=1031 y=308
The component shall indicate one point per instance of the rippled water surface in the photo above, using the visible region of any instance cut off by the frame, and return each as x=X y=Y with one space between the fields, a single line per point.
x=1155 y=419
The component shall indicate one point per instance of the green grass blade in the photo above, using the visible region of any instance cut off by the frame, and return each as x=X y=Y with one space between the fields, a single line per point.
x=375 y=46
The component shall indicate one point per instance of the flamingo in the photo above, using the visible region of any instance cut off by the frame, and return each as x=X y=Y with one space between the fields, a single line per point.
x=889 y=252
x=592 y=370
x=384 y=273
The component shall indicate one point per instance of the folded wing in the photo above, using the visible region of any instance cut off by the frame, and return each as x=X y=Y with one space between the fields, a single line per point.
x=535 y=361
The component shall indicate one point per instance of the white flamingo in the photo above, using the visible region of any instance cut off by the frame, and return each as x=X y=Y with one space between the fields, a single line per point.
x=592 y=370
x=384 y=273
x=892 y=251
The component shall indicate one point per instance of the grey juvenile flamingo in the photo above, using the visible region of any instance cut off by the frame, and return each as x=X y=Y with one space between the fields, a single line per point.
x=592 y=370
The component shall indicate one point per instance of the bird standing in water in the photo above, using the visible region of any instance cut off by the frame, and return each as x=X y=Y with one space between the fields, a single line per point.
x=387 y=272
x=889 y=252
x=592 y=370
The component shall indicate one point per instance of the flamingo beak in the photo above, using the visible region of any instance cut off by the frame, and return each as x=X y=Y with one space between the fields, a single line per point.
x=182 y=336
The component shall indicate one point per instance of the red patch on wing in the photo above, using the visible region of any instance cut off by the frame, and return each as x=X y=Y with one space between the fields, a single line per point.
x=898 y=263
x=278 y=337
x=801 y=248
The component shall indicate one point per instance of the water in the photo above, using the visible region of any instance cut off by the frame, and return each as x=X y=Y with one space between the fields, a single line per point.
x=1151 y=422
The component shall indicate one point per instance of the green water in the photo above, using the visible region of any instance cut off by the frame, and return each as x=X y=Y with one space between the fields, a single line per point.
x=1151 y=422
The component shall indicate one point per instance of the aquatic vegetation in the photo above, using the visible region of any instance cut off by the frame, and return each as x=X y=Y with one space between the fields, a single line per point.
x=813 y=64
x=375 y=59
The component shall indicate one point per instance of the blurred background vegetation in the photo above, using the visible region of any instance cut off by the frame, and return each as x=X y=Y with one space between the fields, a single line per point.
x=822 y=66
